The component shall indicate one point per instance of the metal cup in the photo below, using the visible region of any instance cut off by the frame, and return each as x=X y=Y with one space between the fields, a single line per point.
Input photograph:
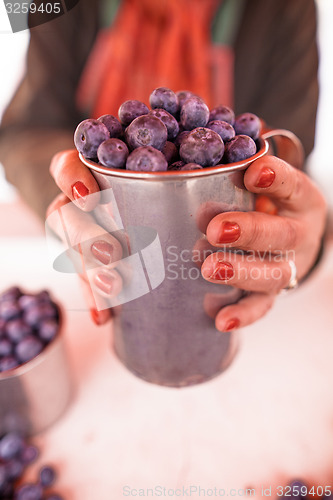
x=34 y=395
x=167 y=335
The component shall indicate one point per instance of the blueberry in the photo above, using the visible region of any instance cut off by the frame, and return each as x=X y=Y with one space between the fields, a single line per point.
x=299 y=489
x=29 y=454
x=88 y=135
x=27 y=301
x=248 y=124
x=3 y=478
x=165 y=98
x=5 y=347
x=112 y=124
x=8 y=363
x=177 y=165
x=12 y=293
x=146 y=130
x=11 y=446
x=2 y=327
x=14 y=469
x=202 y=146
x=146 y=159
x=36 y=313
x=113 y=153
x=238 y=149
x=194 y=113
x=48 y=329
x=224 y=129
x=17 y=329
x=130 y=110
x=222 y=113
x=28 y=348
x=9 y=309
x=183 y=95
x=191 y=166
x=47 y=476
x=179 y=139
x=169 y=121
x=170 y=152
x=29 y=492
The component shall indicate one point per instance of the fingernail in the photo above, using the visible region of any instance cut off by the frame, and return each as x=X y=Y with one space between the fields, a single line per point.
x=100 y=317
x=104 y=282
x=232 y=324
x=79 y=192
x=222 y=271
x=229 y=232
x=266 y=178
x=95 y=316
x=102 y=251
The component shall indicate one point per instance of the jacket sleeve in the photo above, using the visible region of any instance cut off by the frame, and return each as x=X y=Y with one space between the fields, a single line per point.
x=42 y=115
x=276 y=65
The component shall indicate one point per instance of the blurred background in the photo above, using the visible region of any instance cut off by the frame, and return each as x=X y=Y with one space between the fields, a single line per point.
x=12 y=56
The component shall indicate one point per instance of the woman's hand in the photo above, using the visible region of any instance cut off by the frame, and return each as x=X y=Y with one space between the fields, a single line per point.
x=98 y=251
x=270 y=241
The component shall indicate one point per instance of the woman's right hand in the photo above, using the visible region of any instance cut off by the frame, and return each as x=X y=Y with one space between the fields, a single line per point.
x=70 y=217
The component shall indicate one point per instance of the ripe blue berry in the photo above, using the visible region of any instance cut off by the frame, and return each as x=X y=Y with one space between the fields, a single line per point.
x=165 y=98
x=222 y=113
x=194 y=113
x=224 y=129
x=146 y=130
x=112 y=124
x=11 y=446
x=202 y=146
x=28 y=348
x=88 y=135
x=47 y=476
x=113 y=153
x=238 y=149
x=248 y=124
x=130 y=110
x=146 y=159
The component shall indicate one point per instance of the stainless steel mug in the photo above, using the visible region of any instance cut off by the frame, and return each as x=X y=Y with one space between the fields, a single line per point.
x=166 y=335
x=34 y=395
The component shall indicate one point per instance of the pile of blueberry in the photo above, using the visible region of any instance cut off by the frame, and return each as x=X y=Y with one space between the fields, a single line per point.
x=16 y=454
x=28 y=323
x=178 y=133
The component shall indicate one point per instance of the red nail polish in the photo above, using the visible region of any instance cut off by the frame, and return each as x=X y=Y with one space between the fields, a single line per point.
x=102 y=251
x=230 y=232
x=95 y=316
x=104 y=282
x=100 y=317
x=223 y=271
x=232 y=324
x=79 y=192
x=266 y=178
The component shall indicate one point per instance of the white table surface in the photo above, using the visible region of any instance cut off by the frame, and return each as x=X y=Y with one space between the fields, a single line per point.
x=266 y=420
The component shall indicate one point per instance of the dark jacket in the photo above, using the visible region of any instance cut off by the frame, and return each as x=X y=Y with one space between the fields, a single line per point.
x=275 y=77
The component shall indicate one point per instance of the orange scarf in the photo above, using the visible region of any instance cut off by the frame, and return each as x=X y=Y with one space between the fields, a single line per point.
x=151 y=43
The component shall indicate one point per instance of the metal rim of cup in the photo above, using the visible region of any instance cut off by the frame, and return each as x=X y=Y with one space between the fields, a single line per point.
x=29 y=365
x=174 y=175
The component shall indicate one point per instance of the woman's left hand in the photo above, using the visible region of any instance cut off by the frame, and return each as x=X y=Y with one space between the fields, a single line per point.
x=270 y=241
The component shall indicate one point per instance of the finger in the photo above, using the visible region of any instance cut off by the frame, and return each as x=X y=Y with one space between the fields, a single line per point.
x=89 y=248
x=88 y=243
x=247 y=272
x=291 y=189
x=99 y=316
x=75 y=180
x=256 y=231
x=245 y=312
